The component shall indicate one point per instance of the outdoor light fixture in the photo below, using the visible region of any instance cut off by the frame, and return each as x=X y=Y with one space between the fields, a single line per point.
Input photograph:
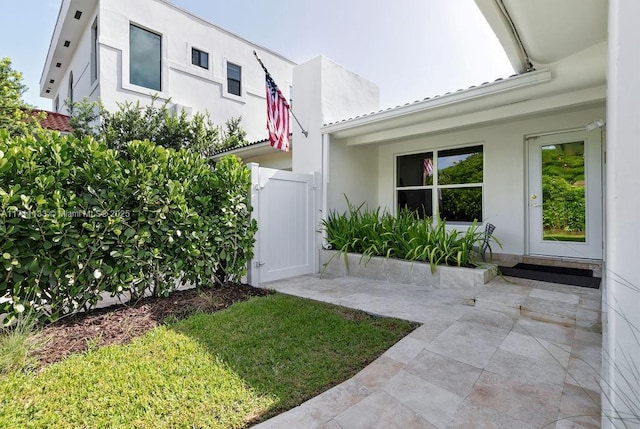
x=51 y=81
x=58 y=65
x=66 y=43
x=78 y=14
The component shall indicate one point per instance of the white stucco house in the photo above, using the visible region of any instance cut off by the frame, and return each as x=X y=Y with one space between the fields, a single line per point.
x=572 y=106
x=119 y=50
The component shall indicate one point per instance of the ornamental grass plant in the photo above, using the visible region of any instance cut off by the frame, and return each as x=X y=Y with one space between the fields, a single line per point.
x=405 y=235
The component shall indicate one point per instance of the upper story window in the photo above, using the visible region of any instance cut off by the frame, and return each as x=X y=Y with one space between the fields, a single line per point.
x=56 y=103
x=446 y=183
x=94 y=51
x=199 y=58
x=234 y=79
x=70 y=91
x=145 y=58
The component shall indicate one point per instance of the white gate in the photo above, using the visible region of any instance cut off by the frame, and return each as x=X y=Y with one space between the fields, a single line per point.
x=284 y=207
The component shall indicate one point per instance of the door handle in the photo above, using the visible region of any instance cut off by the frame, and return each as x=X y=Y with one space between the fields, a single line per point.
x=535 y=205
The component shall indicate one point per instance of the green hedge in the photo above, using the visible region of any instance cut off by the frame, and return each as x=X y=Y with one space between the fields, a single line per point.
x=77 y=220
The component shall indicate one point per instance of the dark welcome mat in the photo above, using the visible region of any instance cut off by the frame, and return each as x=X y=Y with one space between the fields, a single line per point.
x=562 y=275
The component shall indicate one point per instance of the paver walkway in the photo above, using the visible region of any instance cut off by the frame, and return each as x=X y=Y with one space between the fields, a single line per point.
x=513 y=354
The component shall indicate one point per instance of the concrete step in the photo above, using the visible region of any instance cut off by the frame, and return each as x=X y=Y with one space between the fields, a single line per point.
x=583 y=264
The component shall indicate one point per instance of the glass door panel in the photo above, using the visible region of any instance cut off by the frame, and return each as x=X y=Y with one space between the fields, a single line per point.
x=563 y=192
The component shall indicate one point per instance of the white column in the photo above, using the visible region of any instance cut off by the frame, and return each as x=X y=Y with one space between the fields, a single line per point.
x=621 y=345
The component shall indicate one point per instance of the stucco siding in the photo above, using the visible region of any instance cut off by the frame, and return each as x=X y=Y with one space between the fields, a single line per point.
x=504 y=167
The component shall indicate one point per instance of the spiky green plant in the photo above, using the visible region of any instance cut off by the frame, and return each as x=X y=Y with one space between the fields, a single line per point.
x=405 y=235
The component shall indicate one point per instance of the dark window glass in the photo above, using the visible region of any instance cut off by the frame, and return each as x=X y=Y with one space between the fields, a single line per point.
x=416 y=200
x=460 y=166
x=460 y=204
x=70 y=92
x=415 y=170
x=94 y=51
x=199 y=58
x=145 y=58
x=234 y=79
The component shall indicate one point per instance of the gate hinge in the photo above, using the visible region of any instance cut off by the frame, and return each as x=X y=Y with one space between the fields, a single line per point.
x=258 y=264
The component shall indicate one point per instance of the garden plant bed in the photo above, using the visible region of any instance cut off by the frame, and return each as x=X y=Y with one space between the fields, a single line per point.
x=339 y=264
x=120 y=324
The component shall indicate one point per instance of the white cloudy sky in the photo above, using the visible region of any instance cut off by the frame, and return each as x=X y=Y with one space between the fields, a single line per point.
x=410 y=48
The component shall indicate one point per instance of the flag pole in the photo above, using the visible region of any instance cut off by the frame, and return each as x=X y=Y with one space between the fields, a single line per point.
x=306 y=134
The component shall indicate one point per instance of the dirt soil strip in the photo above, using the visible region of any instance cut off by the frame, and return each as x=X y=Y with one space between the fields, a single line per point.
x=120 y=324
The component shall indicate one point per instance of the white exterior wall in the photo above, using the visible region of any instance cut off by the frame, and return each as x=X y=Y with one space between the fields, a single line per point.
x=367 y=173
x=276 y=159
x=81 y=66
x=354 y=174
x=185 y=84
x=325 y=92
x=621 y=344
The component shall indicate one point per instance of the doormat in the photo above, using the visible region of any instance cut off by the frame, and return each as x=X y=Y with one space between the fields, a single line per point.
x=545 y=273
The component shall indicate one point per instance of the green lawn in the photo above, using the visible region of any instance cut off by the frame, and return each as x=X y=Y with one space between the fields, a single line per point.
x=222 y=370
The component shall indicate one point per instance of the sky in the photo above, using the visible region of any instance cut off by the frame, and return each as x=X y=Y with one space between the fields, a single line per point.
x=411 y=49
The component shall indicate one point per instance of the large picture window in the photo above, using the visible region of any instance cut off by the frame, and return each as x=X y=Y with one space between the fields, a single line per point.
x=145 y=58
x=446 y=183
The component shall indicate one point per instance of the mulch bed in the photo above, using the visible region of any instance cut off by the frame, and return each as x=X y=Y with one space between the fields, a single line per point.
x=120 y=324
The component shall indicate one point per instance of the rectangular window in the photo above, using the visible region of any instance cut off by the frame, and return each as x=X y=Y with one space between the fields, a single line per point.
x=94 y=51
x=199 y=58
x=234 y=79
x=446 y=183
x=145 y=58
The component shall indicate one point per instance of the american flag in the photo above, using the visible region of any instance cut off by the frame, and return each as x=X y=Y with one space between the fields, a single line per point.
x=427 y=169
x=277 y=116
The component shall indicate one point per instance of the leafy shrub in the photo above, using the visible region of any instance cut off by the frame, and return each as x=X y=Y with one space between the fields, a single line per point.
x=158 y=124
x=564 y=208
x=77 y=219
x=403 y=236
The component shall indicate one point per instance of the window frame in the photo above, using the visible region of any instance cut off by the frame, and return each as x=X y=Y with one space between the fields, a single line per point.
x=160 y=63
x=200 y=52
x=239 y=81
x=435 y=185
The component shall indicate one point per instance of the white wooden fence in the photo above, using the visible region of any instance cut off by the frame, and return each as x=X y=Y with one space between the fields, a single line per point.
x=284 y=205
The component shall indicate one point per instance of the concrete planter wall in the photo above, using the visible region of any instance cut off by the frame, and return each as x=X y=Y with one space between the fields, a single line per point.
x=378 y=268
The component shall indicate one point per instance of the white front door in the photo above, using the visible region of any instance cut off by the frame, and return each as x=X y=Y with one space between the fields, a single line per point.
x=565 y=194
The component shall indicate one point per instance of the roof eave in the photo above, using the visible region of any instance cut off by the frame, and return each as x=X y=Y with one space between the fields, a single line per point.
x=243 y=151
x=459 y=97
x=501 y=27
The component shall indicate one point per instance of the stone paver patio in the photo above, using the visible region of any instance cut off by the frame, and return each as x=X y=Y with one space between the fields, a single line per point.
x=511 y=354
